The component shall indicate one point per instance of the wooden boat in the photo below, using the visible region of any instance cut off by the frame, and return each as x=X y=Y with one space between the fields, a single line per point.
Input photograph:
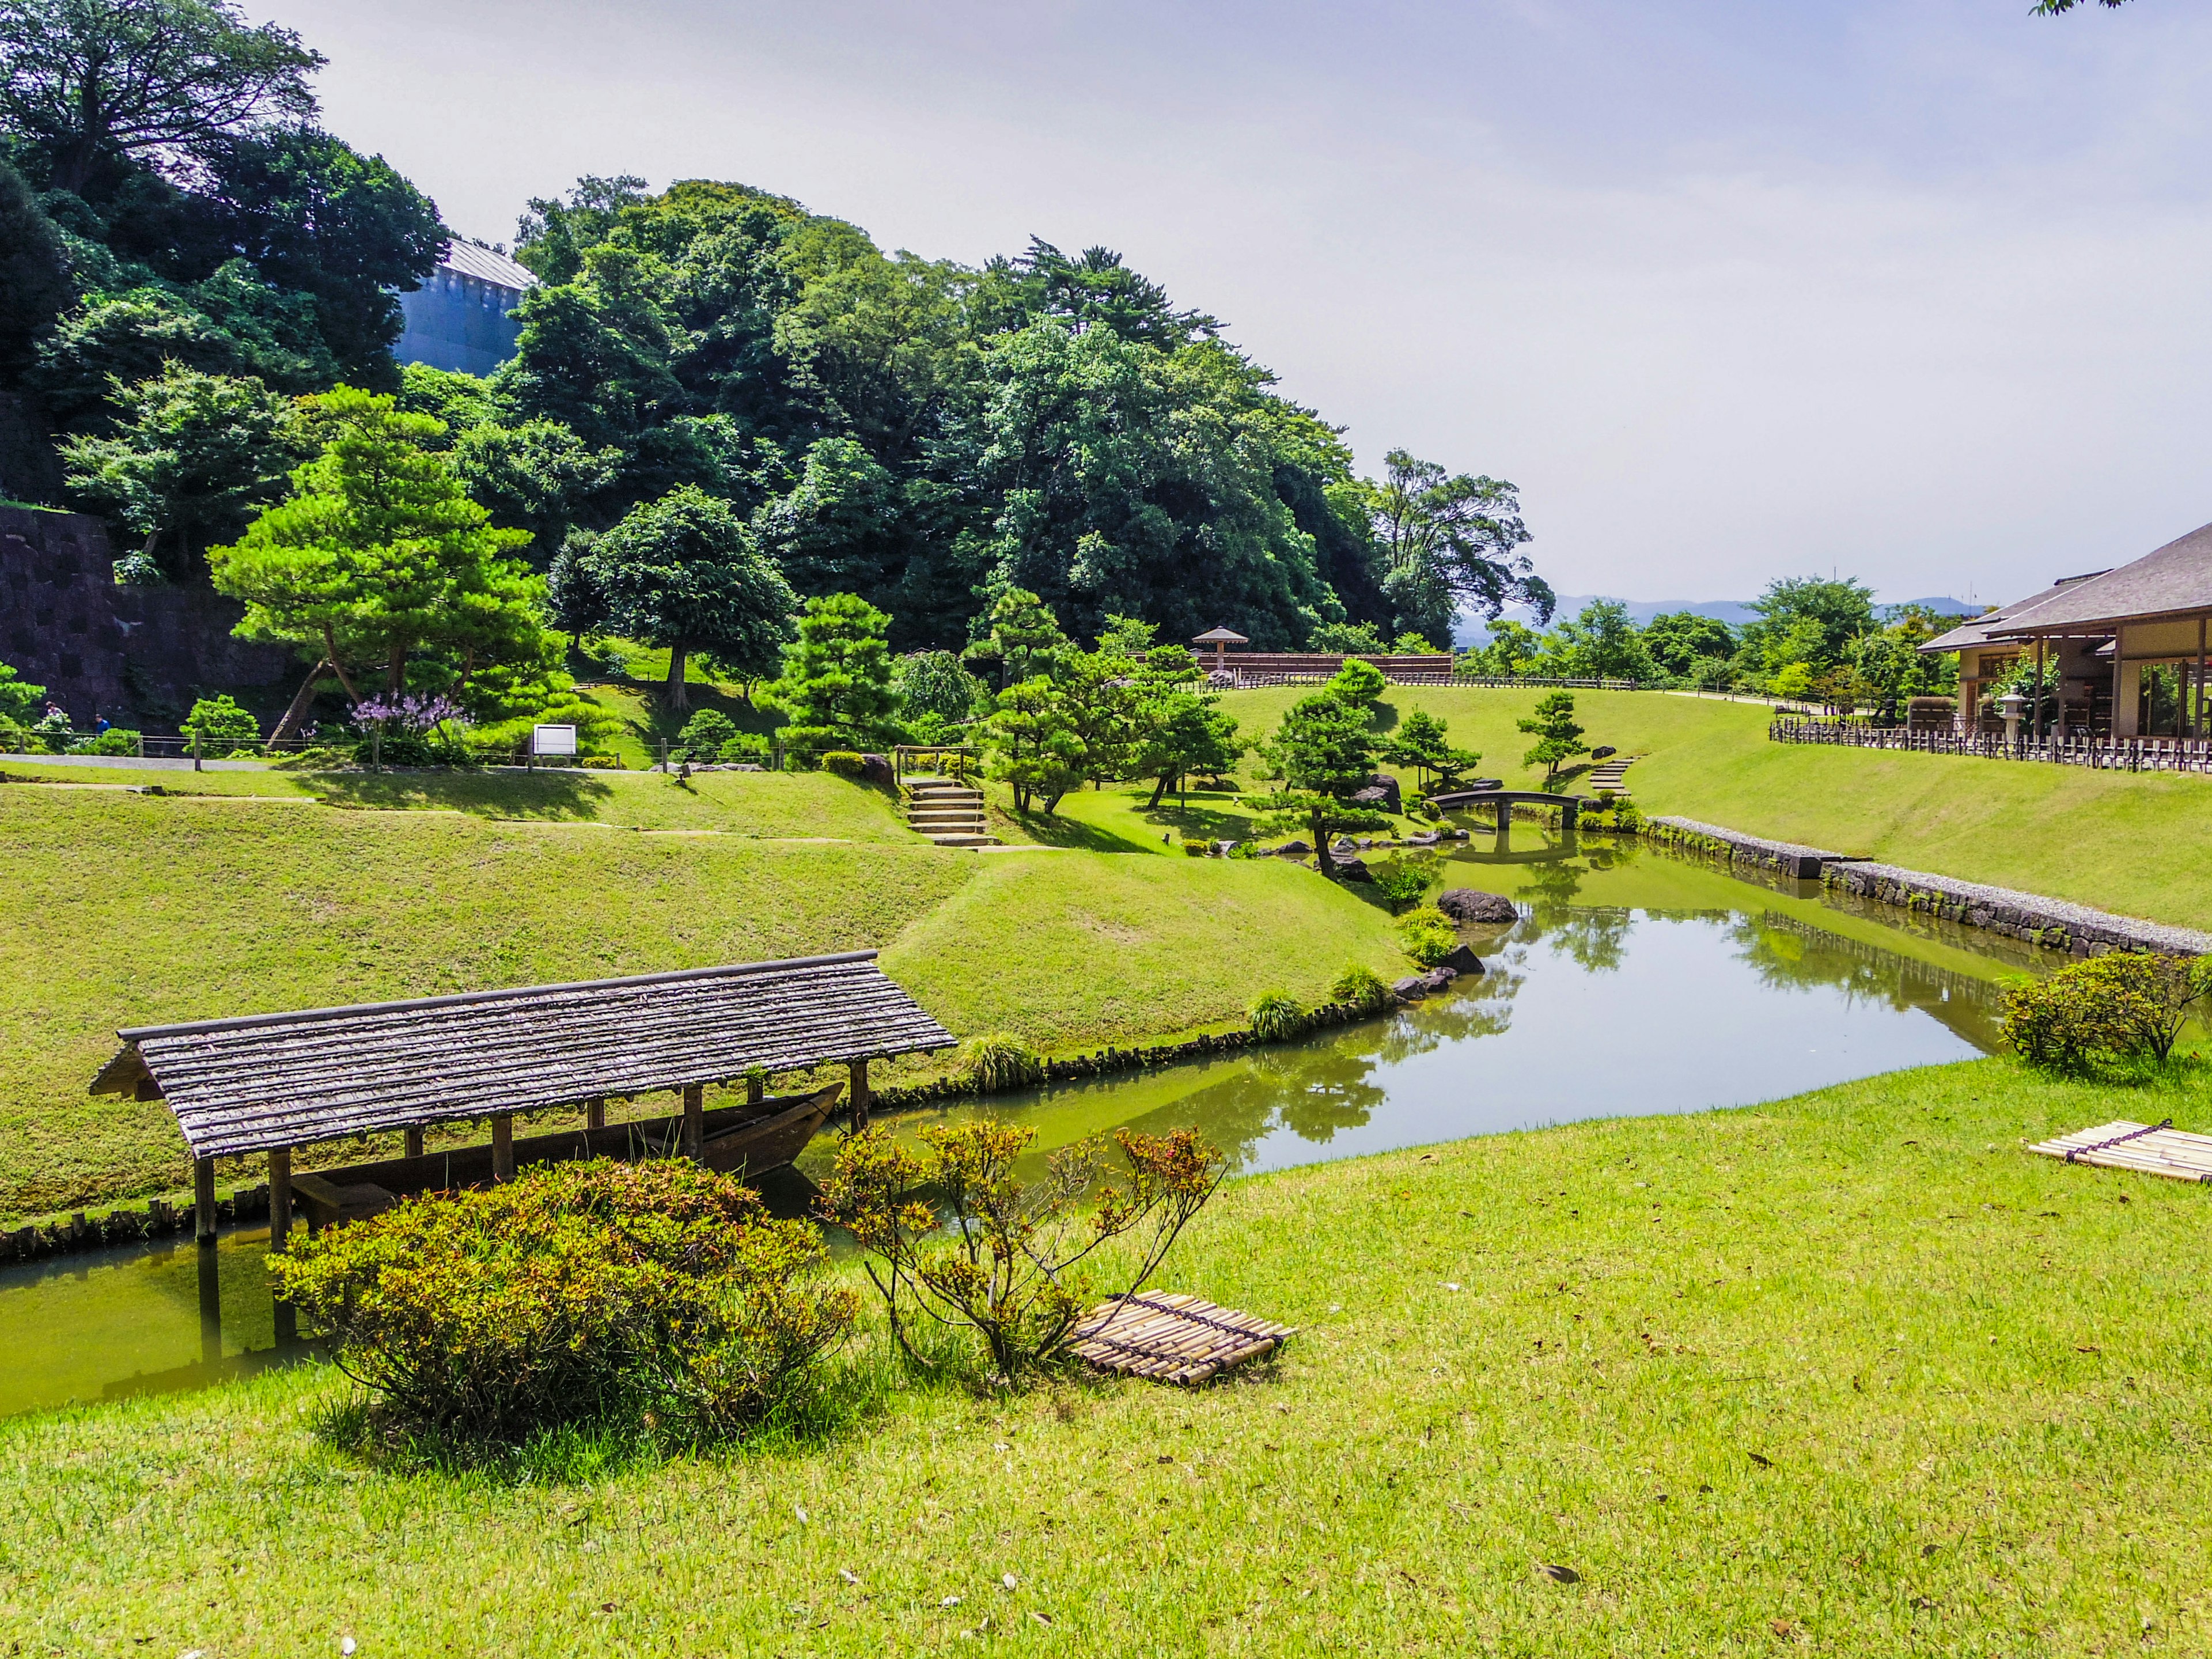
x=750 y=1139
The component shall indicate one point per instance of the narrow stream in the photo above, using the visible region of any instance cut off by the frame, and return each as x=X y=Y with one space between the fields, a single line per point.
x=1635 y=982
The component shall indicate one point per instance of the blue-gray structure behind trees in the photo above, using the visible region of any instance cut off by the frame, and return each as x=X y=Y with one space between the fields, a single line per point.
x=462 y=317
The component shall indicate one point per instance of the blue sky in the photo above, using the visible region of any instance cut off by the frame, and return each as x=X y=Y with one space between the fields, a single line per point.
x=1918 y=291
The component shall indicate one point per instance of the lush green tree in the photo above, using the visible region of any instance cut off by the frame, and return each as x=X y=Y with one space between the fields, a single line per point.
x=1022 y=638
x=1348 y=639
x=86 y=82
x=1683 y=643
x=934 y=684
x=1514 y=650
x=1178 y=730
x=1422 y=741
x=378 y=554
x=1101 y=696
x=191 y=457
x=1127 y=636
x=220 y=725
x=1031 y=745
x=1358 y=683
x=1559 y=739
x=313 y=216
x=1808 y=620
x=839 y=528
x=1326 y=754
x=461 y=401
x=836 y=684
x=683 y=572
x=35 y=273
x=1601 y=642
x=18 y=696
x=537 y=475
x=1449 y=541
x=552 y=236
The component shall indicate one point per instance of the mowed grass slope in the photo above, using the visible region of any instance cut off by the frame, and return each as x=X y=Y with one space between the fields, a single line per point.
x=135 y=910
x=2140 y=844
x=1851 y=1373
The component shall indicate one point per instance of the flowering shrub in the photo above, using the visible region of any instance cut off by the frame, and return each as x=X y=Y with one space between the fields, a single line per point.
x=1005 y=1258
x=656 y=1294
x=2111 y=1011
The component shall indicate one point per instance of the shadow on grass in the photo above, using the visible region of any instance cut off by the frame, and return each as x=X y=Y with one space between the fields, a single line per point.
x=1057 y=831
x=553 y=795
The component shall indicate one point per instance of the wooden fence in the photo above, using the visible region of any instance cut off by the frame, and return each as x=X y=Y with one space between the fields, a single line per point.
x=2097 y=752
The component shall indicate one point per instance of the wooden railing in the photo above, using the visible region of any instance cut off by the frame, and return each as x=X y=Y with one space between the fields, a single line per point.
x=2093 y=750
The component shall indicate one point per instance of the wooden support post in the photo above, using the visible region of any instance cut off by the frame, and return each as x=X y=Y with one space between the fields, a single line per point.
x=861 y=1101
x=280 y=1196
x=595 y=1113
x=756 y=1089
x=2197 y=712
x=502 y=1147
x=694 y=1120
x=2120 y=657
x=414 y=1138
x=210 y=1287
x=2058 y=655
x=204 y=1200
x=2035 y=730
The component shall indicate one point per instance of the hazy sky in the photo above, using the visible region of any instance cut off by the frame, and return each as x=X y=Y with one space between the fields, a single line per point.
x=1920 y=289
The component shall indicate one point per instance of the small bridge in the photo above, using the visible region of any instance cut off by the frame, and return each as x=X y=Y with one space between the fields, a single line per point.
x=1570 y=807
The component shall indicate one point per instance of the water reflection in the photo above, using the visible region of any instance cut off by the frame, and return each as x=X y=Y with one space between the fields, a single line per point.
x=1634 y=981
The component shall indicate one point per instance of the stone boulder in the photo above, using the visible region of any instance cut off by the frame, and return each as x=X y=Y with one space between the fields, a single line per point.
x=1381 y=793
x=1468 y=905
x=1463 y=960
x=1351 y=869
x=1293 y=849
x=878 y=768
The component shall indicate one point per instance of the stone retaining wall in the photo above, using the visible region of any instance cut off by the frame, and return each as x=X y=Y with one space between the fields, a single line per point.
x=1806 y=863
x=2053 y=924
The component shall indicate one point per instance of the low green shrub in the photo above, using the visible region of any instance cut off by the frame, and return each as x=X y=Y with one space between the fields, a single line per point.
x=1194 y=846
x=657 y=1296
x=113 y=741
x=1403 y=880
x=746 y=747
x=844 y=763
x=996 y=1060
x=1360 y=988
x=2123 y=1009
x=1276 y=1017
x=220 y=725
x=1427 y=935
x=703 y=735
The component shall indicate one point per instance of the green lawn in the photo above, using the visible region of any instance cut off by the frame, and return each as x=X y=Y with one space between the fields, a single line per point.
x=2139 y=844
x=1850 y=1373
x=154 y=909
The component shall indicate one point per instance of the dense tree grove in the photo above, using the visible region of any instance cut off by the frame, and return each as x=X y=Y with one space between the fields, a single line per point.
x=184 y=252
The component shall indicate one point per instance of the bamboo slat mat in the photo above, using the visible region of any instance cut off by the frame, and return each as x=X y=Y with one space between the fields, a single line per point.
x=1172 y=1338
x=2158 y=1149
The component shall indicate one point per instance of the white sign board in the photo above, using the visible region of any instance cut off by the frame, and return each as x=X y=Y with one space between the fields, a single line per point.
x=552 y=739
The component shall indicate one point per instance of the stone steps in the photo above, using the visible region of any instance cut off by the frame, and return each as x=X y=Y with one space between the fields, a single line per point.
x=950 y=814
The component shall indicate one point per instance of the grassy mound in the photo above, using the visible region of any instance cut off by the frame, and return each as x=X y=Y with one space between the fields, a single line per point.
x=1849 y=1371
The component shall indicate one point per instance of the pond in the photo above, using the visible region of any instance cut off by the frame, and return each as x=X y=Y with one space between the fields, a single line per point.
x=1635 y=982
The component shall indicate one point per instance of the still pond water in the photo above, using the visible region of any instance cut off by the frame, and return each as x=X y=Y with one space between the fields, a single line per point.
x=1635 y=982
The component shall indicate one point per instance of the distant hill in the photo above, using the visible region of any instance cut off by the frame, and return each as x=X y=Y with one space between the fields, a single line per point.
x=1735 y=612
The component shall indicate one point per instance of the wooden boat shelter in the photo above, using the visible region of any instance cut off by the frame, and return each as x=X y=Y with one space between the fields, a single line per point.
x=273 y=1083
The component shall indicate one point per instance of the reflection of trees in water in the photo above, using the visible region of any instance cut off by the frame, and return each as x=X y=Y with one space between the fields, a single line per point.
x=1787 y=953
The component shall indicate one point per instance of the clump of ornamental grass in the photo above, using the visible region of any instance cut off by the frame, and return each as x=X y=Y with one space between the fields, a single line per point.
x=1276 y=1017
x=657 y=1300
x=1427 y=935
x=996 y=1060
x=959 y=1243
x=1360 y=988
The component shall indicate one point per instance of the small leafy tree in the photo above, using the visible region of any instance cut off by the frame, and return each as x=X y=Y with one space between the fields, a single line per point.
x=1002 y=1258
x=1032 y=744
x=18 y=696
x=1102 y=697
x=1421 y=741
x=683 y=572
x=933 y=682
x=2123 y=1008
x=836 y=684
x=1126 y=636
x=1326 y=755
x=704 y=736
x=1022 y=638
x=1357 y=682
x=1349 y=638
x=1176 y=727
x=1559 y=739
x=220 y=724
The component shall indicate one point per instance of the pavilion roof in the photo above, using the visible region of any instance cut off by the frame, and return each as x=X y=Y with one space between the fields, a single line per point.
x=269 y=1080
x=2175 y=581
x=1220 y=636
x=1979 y=630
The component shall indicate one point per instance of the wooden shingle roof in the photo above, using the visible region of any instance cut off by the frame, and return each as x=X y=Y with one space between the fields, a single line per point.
x=269 y=1080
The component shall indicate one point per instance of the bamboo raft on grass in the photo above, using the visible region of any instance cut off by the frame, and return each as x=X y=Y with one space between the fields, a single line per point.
x=2157 y=1149
x=1172 y=1338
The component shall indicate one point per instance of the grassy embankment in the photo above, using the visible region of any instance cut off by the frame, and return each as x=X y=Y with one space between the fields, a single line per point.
x=1849 y=1372
x=2140 y=844
x=154 y=909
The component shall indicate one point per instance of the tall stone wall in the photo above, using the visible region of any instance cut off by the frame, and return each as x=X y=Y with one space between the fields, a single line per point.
x=138 y=655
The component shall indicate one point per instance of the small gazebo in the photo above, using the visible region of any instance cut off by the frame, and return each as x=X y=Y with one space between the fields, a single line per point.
x=1220 y=639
